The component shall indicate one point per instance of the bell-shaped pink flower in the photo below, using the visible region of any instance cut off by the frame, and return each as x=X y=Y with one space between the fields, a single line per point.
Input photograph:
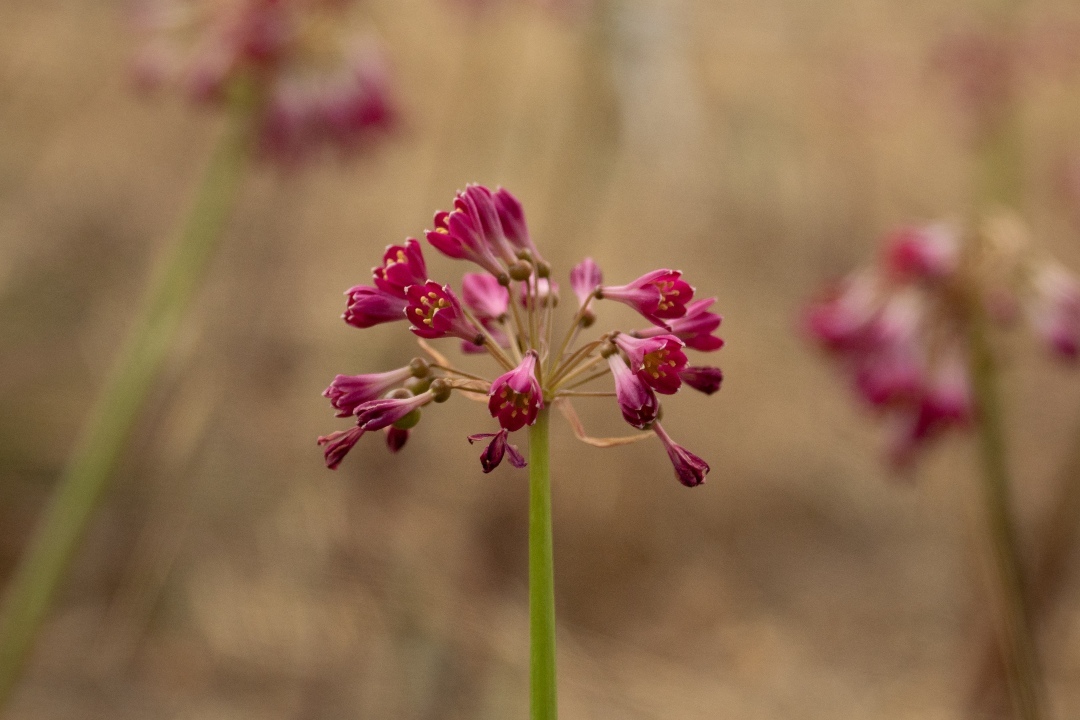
x=702 y=378
x=657 y=360
x=496 y=449
x=337 y=445
x=585 y=278
x=636 y=401
x=515 y=397
x=435 y=312
x=840 y=319
x=377 y=414
x=403 y=265
x=689 y=468
x=458 y=234
x=660 y=295
x=368 y=306
x=695 y=328
x=945 y=401
x=349 y=391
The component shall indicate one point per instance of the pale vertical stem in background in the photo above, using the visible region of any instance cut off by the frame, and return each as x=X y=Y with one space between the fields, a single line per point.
x=542 y=692
x=45 y=561
x=1017 y=646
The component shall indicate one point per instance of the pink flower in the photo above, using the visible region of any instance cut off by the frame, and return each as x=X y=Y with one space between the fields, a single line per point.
x=459 y=234
x=435 y=312
x=368 y=306
x=585 y=278
x=689 y=468
x=377 y=414
x=702 y=378
x=544 y=290
x=396 y=438
x=515 y=397
x=695 y=328
x=337 y=445
x=660 y=295
x=945 y=401
x=657 y=361
x=347 y=392
x=493 y=453
x=403 y=265
x=1054 y=309
x=636 y=401
x=929 y=252
x=512 y=219
x=487 y=299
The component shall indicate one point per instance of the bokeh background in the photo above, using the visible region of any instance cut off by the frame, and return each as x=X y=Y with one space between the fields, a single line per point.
x=762 y=147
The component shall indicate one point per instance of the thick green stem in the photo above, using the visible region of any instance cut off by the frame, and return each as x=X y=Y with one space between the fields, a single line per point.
x=542 y=695
x=45 y=562
x=1017 y=646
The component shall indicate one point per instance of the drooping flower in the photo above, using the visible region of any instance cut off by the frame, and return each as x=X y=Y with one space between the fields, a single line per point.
x=347 y=392
x=516 y=396
x=637 y=402
x=496 y=449
x=658 y=361
x=695 y=328
x=923 y=252
x=660 y=295
x=702 y=378
x=337 y=445
x=369 y=306
x=396 y=438
x=689 y=468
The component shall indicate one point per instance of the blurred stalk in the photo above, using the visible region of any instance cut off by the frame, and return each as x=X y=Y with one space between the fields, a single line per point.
x=45 y=562
x=542 y=691
x=1017 y=646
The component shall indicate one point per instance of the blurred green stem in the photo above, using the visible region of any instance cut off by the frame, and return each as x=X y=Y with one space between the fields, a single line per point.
x=542 y=694
x=1017 y=646
x=46 y=560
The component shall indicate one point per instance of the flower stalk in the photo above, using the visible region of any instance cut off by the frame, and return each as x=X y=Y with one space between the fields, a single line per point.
x=1017 y=644
x=46 y=560
x=542 y=693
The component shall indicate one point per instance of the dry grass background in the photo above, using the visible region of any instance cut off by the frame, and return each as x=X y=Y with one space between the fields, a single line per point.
x=762 y=147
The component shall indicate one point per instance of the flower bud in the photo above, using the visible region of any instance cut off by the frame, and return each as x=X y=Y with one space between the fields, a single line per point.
x=440 y=390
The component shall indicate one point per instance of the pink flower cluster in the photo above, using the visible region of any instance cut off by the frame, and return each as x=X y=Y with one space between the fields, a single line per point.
x=316 y=85
x=507 y=311
x=899 y=327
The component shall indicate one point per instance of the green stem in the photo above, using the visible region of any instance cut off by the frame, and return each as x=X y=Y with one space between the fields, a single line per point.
x=1017 y=645
x=45 y=562
x=542 y=695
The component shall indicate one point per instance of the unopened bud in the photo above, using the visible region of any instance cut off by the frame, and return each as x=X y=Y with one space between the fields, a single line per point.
x=419 y=367
x=399 y=394
x=440 y=390
x=608 y=350
x=543 y=269
x=503 y=279
x=521 y=270
x=587 y=319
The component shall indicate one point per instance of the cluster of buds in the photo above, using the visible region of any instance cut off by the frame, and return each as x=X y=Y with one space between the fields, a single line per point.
x=315 y=83
x=900 y=328
x=508 y=312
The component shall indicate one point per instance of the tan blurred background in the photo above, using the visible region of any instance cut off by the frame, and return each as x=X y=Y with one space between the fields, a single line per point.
x=761 y=146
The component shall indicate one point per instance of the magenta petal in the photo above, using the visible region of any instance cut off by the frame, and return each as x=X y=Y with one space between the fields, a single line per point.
x=396 y=438
x=689 y=468
x=368 y=306
x=585 y=278
x=703 y=378
x=636 y=401
x=515 y=398
x=337 y=445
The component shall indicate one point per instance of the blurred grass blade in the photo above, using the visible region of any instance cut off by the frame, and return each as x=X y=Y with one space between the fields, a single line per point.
x=45 y=561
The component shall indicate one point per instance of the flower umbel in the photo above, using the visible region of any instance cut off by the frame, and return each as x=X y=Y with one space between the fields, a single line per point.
x=900 y=328
x=508 y=312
